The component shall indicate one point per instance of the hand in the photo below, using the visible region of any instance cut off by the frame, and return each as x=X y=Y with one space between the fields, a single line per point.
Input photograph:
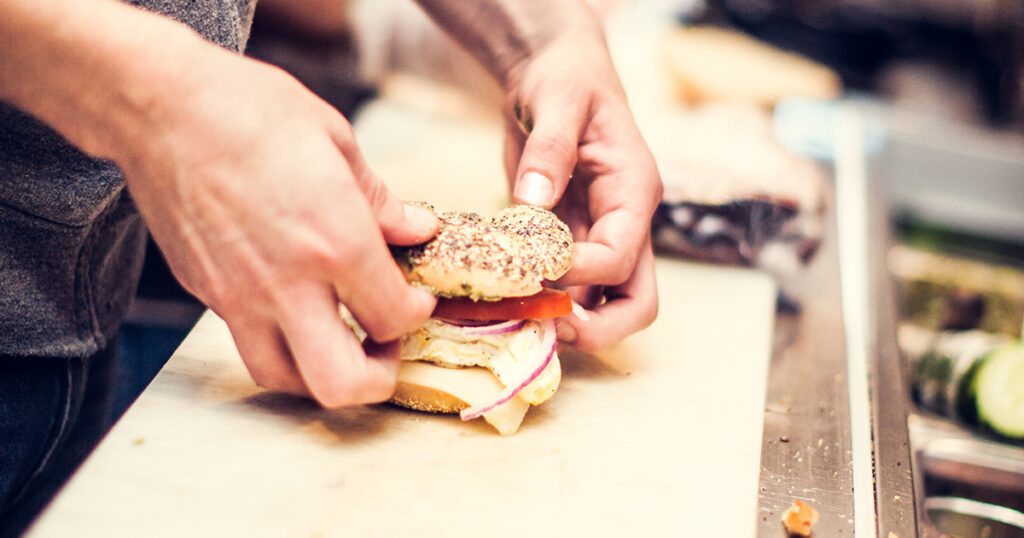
x=252 y=187
x=255 y=191
x=572 y=144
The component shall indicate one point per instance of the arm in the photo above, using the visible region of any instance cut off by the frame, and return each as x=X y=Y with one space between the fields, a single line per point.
x=503 y=34
x=50 y=57
x=253 y=188
x=567 y=118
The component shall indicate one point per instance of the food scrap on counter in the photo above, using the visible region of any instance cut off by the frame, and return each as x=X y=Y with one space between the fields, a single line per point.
x=799 y=518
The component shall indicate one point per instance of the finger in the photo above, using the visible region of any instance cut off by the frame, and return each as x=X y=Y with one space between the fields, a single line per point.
x=623 y=191
x=628 y=308
x=573 y=209
x=386 y=312
x=266 y=356
x=550 y=152
x=401 y=224
x=329 y=356
x=368 y=281
x=610 y=250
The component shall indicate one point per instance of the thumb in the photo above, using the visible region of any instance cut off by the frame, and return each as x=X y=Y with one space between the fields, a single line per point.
x=549 y=154
x=400 y=223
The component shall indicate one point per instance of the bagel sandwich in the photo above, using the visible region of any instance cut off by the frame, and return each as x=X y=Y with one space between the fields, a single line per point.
x=490 y=348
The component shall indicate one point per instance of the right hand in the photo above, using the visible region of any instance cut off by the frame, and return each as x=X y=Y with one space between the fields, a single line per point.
x=256 y=193
x=573 y=146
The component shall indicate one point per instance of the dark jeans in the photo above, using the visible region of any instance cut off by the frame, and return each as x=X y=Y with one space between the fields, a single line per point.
x=53 y=412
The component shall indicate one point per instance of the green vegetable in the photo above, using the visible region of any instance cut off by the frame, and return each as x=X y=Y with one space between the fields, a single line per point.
x=975 y=378
x=998 y=389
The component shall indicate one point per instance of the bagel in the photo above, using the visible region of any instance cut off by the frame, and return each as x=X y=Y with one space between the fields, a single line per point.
x=494 y=360
x=490 y=258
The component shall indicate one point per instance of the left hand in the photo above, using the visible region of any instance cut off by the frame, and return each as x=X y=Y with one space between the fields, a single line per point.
x=572 y=145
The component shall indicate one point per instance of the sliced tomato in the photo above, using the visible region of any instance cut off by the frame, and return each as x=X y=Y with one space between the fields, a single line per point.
x=546 y=304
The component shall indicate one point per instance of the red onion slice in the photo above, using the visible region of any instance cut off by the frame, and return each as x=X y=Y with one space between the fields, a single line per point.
x=545 y=352
x=505 y=327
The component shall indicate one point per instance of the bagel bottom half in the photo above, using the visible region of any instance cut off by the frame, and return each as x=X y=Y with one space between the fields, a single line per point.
x=435 y=389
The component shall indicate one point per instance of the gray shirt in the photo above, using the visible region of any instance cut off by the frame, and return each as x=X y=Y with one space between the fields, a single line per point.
x=71 y=240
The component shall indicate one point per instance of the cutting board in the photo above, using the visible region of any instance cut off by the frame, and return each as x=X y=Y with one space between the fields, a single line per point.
x=658 y=436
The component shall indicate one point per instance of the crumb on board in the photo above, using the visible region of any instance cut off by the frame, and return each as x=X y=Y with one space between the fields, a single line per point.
x=138 y=441
x=799 y=518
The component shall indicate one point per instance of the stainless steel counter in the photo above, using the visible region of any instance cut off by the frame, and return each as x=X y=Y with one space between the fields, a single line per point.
x=841 y=431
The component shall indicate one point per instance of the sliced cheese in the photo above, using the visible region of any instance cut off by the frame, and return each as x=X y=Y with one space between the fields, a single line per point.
x=452 y=389
x=510 y=356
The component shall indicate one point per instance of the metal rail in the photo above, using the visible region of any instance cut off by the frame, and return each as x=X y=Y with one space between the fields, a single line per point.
x=836 y=410
x=805 y=451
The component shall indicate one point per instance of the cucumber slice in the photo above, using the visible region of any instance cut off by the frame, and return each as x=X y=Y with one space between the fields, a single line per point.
x=998 y=388
x=942 y=367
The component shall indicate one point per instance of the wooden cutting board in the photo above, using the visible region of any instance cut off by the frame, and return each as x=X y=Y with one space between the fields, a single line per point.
x=660 y=435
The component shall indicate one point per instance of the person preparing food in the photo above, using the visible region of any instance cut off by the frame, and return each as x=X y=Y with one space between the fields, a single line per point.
x=121 y=116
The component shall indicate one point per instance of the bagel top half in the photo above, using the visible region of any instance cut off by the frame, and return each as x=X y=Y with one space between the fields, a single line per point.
x=489 y=258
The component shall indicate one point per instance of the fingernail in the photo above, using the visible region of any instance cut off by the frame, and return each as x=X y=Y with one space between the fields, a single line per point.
x=534 y=189
x=566 y=333
x=420 y=218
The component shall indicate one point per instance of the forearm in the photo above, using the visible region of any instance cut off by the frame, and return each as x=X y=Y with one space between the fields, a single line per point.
x=503 y=33
x=326 y=19
x=92 y=70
